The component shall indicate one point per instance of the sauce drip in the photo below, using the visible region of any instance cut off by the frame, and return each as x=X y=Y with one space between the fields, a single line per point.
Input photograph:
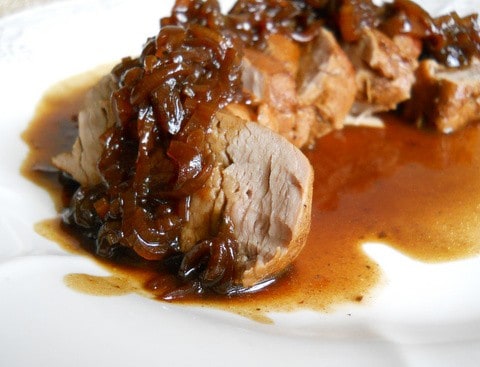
x=416 y=190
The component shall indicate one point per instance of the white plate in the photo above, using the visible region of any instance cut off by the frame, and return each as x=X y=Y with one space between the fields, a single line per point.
x=424 y=315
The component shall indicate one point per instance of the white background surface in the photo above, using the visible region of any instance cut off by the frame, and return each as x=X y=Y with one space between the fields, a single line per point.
x=424 y=315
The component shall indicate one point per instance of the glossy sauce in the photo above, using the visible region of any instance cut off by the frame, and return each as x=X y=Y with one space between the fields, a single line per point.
x=417 y=191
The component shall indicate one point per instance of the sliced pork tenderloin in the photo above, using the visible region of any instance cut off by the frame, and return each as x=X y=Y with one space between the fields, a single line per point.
x=326 y=80
x=385 y=70
x=262 y=184
x=268 y=192
x=445 y=98
x=273 y=91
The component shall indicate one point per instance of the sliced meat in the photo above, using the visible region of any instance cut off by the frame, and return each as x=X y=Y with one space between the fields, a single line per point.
x=385 y=70
x=268 y=194
x=447 y=98
x=93 y=120
x=262 y=184
x=326 y=79
x=273 y=89
x=301 y=93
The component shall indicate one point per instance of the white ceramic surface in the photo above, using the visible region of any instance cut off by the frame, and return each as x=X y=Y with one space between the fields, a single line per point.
x=423 y=314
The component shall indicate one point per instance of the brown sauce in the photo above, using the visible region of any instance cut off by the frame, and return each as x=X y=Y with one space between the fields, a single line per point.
x=417 y=191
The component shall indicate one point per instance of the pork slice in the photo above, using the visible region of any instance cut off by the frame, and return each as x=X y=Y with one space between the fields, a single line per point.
x=447 y=98
x=93 y=120
x=385 y=70
x=268 y=192
x=273 y=89
x=326 y=79
x=262 y=184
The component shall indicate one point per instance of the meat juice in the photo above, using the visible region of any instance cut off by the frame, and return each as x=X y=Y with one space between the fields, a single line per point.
x=415 y=190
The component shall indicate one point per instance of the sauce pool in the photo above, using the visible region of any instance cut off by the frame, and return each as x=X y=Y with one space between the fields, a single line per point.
x=415 y=190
